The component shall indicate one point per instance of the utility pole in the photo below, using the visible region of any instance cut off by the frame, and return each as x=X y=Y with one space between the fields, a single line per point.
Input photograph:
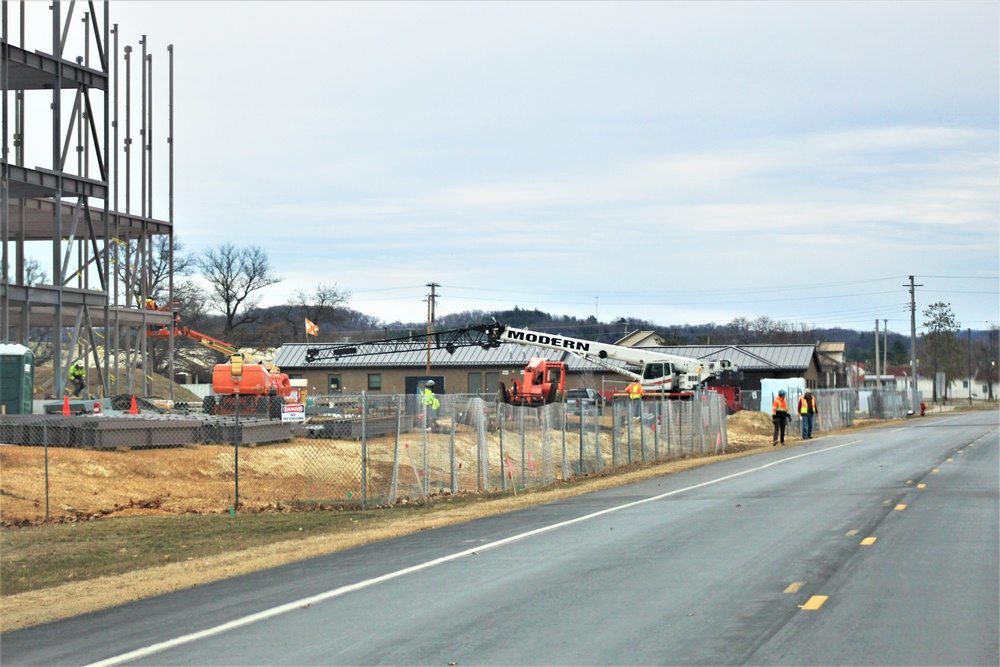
x=885 y=347
x=878 y=376
x=431 y=302
x=913 y=342
x=969 y=330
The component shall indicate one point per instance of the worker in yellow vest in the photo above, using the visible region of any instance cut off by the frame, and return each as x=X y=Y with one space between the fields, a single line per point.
x=430 y=402
x=635 y=393
x=78 y=376
x=807 y=413
x=779 y=417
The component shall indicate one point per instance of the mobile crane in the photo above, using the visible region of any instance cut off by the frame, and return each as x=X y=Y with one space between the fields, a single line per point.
x=252 y=385
x=660 y=374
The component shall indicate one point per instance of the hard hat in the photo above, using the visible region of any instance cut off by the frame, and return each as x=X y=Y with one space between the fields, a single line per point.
x=430 y=383
x=781 y=392
x=79 y=362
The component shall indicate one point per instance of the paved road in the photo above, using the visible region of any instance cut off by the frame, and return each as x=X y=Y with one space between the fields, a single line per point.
x=878 y=547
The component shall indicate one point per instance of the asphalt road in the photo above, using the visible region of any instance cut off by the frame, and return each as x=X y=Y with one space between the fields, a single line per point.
x=878 y=547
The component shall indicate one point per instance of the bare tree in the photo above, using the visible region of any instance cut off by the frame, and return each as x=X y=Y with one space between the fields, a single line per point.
x=158 y=265
x=235 y=277
x=34 y=274
x=324 y=305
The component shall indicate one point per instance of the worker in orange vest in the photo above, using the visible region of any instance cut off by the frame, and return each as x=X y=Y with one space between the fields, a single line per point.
x=635 y=393
x=779 y=417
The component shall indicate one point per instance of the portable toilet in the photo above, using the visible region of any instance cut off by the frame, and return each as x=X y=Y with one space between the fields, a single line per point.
x=17 y=379
x=769 y=387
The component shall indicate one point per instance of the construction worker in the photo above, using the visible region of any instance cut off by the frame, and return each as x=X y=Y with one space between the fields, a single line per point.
x=431 y=403
x=150 y=303
x=78 y=376
x=635 y=393
x=779 y=417
x=807 y=413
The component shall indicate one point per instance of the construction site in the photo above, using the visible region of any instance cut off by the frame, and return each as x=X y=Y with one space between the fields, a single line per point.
x=88 y=289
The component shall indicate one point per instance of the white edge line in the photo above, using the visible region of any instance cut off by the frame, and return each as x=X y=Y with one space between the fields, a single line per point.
x=343 y=590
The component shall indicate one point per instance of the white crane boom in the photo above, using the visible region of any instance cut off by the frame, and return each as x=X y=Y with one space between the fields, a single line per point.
x=659 y=371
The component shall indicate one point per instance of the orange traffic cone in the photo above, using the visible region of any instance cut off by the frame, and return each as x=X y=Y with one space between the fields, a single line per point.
x=133 y=410
x=66 y=411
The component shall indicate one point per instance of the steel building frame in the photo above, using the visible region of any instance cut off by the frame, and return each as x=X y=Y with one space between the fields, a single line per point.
x=90 y=306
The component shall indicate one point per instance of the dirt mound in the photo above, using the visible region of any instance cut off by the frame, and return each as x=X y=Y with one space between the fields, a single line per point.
x=748 y=427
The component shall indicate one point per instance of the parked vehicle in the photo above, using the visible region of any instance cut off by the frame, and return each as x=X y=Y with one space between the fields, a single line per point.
x=585 y=400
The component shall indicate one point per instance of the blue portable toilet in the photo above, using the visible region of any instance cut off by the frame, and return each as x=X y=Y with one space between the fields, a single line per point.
x=17 y=379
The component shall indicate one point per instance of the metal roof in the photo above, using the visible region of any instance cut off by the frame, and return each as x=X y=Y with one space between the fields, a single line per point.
x=749 y=357
x=745 y=357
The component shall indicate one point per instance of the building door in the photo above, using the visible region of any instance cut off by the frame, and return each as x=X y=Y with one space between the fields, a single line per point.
x=333 y=386
x=492 y=382
x=475 y=383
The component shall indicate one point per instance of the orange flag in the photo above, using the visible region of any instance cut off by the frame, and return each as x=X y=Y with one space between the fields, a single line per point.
x=311 y=328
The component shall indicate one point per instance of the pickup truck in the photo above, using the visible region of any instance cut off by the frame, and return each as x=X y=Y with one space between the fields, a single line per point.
x=587 y=399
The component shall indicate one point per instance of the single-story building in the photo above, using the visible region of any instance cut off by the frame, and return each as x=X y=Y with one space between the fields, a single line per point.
x=473 y=370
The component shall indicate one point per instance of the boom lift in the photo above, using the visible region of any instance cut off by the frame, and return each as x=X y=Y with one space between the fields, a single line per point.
x=660 y=374
x=259 y=387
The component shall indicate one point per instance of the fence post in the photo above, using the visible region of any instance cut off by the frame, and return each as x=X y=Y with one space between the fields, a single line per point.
x=425 y=484
x=565 y=453
x=236 y=456
x=628 y=426
x=614 y=434
x=501 y=418
x=642 y=428
x=45 y=442
x=657 y=420
x=364 y=449
x=520 y=428
x=394 y=482
x=454 y=471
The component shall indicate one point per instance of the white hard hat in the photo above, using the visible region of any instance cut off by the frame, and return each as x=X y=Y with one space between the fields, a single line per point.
x=430 y=383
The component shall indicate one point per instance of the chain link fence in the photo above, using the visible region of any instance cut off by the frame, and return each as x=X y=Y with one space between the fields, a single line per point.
x=351 y=451
x=839 y=408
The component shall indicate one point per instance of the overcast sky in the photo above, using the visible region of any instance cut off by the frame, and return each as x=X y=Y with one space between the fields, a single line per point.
x=676 y=162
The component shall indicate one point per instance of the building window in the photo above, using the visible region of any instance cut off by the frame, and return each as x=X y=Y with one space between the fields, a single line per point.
x=374 y=382
x=965 y=384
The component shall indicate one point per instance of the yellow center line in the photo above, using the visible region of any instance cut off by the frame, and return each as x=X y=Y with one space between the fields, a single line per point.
x=851 y=533
x=921 y=486
x=815 y=602
x=900 y=507
x=868 y=541
x=936 y=470
x=949 y=459
x=795 y=586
